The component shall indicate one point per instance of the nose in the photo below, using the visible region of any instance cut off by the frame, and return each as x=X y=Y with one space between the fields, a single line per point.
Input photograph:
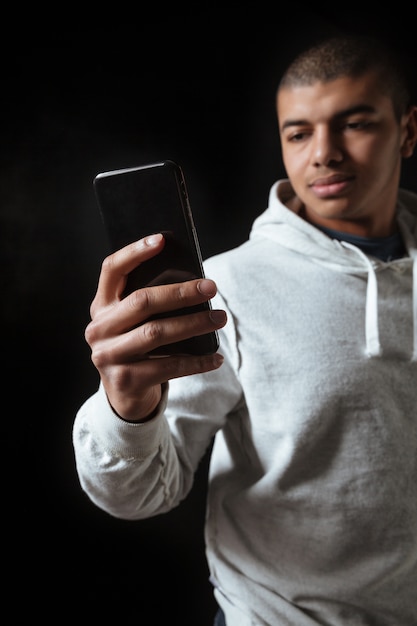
x=326 y=148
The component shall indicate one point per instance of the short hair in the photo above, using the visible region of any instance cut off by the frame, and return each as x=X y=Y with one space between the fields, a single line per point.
x=352 y=56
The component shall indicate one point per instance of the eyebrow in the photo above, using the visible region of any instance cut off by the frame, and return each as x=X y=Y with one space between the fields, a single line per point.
x=359 y=108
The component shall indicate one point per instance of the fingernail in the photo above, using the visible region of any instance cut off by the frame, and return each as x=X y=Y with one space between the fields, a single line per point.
x=218 y=317
x=217 y=359
x=153 y=240
x=206 y=287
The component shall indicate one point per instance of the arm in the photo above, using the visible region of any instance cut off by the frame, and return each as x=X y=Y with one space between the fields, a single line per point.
x=120 y=433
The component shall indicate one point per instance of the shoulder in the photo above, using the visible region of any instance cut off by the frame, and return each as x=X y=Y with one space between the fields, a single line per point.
x=243 y=260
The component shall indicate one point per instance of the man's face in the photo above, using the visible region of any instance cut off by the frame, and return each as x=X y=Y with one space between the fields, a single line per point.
x=341 y=147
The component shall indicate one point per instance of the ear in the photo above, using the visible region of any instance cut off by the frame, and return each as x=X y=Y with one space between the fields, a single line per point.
x=409 y=132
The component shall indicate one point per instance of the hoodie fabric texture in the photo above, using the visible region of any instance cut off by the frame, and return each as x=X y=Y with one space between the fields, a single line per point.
x=312 y=497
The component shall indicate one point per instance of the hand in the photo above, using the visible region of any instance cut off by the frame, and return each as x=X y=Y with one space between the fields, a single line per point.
x=121 y=336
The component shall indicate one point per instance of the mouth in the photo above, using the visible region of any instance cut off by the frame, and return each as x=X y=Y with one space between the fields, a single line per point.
x=330 y=186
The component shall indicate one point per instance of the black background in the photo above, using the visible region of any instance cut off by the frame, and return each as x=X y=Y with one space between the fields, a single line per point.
x=81 y=97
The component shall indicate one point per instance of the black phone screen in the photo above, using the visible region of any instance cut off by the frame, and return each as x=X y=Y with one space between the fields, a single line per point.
x=140 y=201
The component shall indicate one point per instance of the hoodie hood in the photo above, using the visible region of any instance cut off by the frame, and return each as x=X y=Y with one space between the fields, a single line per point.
x=282 y=223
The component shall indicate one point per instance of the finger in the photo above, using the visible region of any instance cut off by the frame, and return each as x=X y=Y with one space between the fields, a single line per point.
x=137 y=343
x=156 y=371
x=161 y=370
x=116 y=267
x=145 y=303
x=163 y=332
x=150 y=301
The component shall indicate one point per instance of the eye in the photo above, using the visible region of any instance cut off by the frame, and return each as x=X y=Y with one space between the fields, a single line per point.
x=296 y=137
x=360 y=125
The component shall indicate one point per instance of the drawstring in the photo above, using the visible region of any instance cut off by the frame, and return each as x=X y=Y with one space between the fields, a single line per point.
x=373 y=346
x=413 y=254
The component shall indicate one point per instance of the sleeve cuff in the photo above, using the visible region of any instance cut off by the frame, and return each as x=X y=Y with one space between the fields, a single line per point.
x=125 y=439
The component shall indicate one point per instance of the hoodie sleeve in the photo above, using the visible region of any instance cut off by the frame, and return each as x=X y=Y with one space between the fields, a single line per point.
x=128 y=470
x=135 y=471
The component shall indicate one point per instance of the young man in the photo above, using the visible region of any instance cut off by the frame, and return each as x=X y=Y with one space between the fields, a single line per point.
x=312 y=495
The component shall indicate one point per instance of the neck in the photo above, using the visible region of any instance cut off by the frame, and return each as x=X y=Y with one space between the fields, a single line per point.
x=361 y=227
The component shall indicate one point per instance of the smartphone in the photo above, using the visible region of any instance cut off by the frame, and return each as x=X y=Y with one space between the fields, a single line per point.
x=139 y=201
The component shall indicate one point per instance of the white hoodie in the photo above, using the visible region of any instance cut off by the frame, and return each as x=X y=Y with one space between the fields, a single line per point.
x=312 y=499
